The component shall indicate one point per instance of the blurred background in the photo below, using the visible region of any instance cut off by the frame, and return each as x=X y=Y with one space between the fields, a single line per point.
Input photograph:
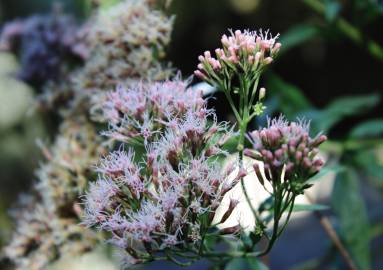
x=330 y=70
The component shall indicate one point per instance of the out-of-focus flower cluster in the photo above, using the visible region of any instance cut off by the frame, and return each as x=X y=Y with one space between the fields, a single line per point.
x=47 y=45
x=241 y=53
x=41 y=238
x=144 y=109
x=166 y=201
x=66 y=174
x=128 y=40
x=287 y=151
x=48 y=227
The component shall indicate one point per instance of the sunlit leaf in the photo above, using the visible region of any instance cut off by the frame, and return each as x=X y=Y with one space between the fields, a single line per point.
x=350 y=208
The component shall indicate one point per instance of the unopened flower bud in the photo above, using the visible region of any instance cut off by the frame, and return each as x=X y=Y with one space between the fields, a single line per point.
x=229 y=211
x=199 y=74
x=258 y=173
x=318 y=141
x=267 y=60
x=250 y=153
x=262 y=93
x=307 y=163
x=298 y=156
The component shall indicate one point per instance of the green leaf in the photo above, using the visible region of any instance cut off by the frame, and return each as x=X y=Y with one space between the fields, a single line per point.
x=309 y=207
x=324 y=120
x=290 y=98
x=372 y=128
x=325 y=170
x=350 y=208
x=369 y=163
x=236 y=263
x=297 y=35
x=332 y=9
x=256 y=264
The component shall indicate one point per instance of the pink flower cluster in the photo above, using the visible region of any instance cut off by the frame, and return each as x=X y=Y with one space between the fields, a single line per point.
x=145 y=109
x=284 y=146
x=169 y=198
x=241 y=52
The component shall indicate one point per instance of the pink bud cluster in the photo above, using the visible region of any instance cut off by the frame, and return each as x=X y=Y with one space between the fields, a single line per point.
x=167 y=200
x=145 y=109
x=244 y=52
x=286 y=147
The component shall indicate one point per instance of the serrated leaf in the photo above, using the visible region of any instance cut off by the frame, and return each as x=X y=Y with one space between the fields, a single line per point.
x=325 y=170
x=372 y=128
x=297 y=35
x=354 y=226
x=309 y=207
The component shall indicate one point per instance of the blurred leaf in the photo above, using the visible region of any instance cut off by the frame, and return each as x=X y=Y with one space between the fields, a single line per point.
x=236 y=263
x=369 y=163
x=15 y=100
x=325 y=170
x=350 y=208
x=332 y=8
x=297 y=35
x=324 y=120
x=309 y=207
x=372 y=128
x=290 y=98
x=108 y=3
x=245 y=263
x=256 y=264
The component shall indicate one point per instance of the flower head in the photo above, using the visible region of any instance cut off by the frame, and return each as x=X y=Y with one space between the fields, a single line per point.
x=170 y=201
x=45 y=44
x=286 y=148
x=242 y=52
x=144 y=109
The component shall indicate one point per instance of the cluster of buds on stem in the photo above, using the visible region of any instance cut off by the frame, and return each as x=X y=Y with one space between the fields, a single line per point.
x=167 y=202
x=241 y=53
x=287 y=151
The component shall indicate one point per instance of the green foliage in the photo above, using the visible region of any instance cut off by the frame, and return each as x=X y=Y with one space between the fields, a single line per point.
x=309 y=207
x=297 y=35
x=324 y=171
x=290 y=98
x=341 y=108
x=246 y=263
x=332 y=9
x=368 y=129
x=367 y=160
x=350 y=208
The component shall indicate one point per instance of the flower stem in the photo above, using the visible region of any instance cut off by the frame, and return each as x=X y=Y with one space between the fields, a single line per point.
x=327 y=226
